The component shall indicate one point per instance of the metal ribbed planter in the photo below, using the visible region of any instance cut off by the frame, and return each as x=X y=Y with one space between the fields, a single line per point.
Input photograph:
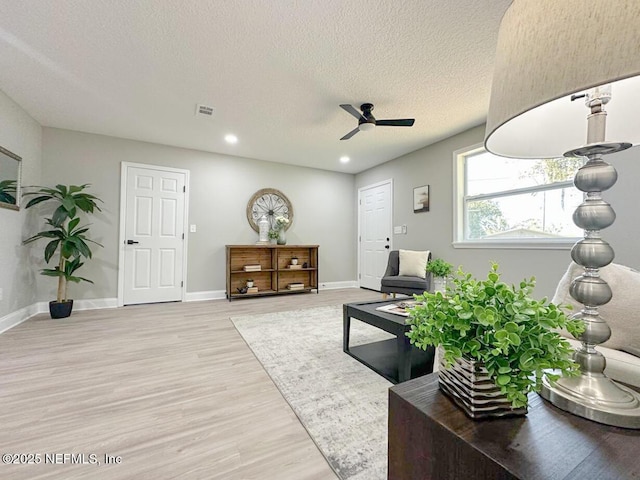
x=468 y=384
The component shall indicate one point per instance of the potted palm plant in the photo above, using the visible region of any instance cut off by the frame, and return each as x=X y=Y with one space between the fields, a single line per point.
x=491 y=332
x=66 y=237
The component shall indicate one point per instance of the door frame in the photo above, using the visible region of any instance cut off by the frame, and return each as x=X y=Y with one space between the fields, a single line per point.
x=121 y=237
x=359 y=239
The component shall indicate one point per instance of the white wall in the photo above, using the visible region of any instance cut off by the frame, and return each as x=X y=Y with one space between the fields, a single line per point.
x=433 y=230
x=324 y=206
x=22 y=135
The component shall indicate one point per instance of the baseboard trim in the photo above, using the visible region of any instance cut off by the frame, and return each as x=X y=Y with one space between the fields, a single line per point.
x=92 y=304
x=202 y=296
x=336 y=285
x=221 y=294
x=16 y=318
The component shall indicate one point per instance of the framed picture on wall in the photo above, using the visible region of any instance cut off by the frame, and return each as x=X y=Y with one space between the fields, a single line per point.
x=421 y=199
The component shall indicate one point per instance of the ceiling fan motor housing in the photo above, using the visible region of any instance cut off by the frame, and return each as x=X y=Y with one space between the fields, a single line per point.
x=367 y=121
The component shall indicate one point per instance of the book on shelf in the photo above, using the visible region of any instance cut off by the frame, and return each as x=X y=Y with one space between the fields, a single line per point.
x=295 y=267
x=399 y=308
x=252 y=268
x=252 y=289
x=296 y=286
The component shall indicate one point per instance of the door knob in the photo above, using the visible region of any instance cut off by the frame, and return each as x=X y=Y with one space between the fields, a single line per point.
x=131 y=242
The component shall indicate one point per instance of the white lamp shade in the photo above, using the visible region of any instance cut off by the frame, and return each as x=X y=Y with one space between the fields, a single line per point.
x=550 y=49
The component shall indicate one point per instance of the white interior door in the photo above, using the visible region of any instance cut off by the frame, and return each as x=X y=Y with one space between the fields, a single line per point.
x=375 y=232
x=154 y=211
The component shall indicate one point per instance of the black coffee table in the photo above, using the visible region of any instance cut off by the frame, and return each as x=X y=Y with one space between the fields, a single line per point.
x=395 y=359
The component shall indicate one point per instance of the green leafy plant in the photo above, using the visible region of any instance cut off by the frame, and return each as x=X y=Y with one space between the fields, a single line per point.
x=67 y=236
x=273 y=234
x=439 y=268
x=500 y=325
x=8 y=191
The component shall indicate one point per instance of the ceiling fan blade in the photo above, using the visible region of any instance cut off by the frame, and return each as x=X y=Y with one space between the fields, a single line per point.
x=403 y=122
x=351 y=134
x=350 y=109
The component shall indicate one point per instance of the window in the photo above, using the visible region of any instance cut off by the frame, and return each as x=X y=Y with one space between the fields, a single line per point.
x=504 y=202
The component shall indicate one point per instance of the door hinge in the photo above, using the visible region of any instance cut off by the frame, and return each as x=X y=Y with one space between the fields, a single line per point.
x=184 y=189
x=183 y=236
x=359 y=275
x=182 y=284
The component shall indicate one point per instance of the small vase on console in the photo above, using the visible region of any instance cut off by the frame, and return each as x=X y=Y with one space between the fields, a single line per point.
x=282 y=237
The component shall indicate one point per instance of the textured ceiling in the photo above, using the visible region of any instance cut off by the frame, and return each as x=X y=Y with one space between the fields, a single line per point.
x=275 y=71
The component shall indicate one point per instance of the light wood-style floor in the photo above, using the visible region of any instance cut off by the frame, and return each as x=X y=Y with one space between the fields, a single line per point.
x=170 y=388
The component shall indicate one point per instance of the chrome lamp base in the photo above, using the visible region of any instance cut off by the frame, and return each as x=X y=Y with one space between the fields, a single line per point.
x=592 y=395
x=596 y=398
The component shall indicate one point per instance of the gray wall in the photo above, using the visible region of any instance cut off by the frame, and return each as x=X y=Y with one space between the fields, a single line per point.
x=323 y=202
x=433 y=230
x=22 y=135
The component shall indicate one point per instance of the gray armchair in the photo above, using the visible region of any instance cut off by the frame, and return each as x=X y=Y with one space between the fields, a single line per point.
x=394 y=283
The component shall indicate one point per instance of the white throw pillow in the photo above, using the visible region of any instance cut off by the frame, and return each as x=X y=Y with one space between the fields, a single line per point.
x=413 y=263
x=621 y=313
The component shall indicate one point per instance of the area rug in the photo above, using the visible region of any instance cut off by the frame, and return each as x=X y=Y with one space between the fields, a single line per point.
x=341 y=403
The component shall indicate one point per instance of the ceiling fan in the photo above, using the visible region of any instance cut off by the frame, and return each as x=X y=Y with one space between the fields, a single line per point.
x=366 y=120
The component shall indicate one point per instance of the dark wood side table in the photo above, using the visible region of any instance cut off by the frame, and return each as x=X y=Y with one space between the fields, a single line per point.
x=431 y=438
x=395 y=359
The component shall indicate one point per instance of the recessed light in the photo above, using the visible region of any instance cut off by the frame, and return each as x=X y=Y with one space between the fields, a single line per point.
x=344 y=159
x=231 y=138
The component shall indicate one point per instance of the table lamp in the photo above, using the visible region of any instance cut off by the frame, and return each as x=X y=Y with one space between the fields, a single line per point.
x=566 y=71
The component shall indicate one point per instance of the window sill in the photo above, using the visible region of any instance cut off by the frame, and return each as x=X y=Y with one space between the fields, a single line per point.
x=528 y=244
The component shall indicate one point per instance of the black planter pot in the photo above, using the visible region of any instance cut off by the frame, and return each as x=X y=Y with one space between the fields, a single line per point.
x=60 y=309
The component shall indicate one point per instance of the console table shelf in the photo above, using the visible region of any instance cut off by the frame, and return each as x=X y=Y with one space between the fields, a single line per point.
x=431 y=438
x=274 y=275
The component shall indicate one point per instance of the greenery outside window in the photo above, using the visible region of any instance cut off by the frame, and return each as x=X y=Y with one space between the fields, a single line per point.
x=514 y=203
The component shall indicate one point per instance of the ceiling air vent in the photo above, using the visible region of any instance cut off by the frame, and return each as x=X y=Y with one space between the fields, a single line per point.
x=204 y=110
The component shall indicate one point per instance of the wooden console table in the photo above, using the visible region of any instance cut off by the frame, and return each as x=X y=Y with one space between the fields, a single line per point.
x=275 y=275
x=431 y=438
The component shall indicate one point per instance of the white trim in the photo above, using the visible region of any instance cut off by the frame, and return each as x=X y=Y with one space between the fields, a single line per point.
x=121 y=239
x=123 y=204
x=458 y=190
x=78 y=305
x=377 y=184
x=208 y=295
x=359 y=206
x=459 y=194
x=222 y=295
x=337 y=285
x=529 y=244
x=519 y=191
x=91 y=304
x=16 y=318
